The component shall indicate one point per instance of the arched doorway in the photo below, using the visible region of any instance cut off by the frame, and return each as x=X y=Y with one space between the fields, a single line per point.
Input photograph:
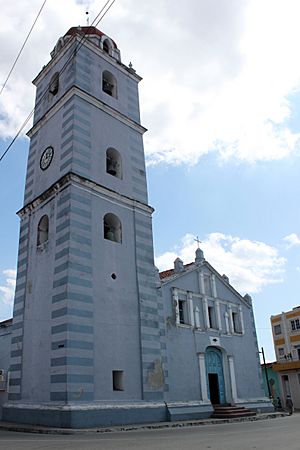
x=215 y=375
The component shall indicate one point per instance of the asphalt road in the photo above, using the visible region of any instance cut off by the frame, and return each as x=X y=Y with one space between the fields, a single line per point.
x=273 y=434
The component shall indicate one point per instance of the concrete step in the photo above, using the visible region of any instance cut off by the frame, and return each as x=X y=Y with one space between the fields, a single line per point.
x=233 y=415
x=228 y=412
x=229 y=409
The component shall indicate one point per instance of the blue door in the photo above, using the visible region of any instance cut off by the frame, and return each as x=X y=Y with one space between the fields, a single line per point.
x=215 y=375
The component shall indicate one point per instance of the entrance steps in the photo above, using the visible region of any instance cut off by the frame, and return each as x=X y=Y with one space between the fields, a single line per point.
x=231 y=412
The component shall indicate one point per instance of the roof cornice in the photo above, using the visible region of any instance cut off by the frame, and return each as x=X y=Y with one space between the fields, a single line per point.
x=196 y=267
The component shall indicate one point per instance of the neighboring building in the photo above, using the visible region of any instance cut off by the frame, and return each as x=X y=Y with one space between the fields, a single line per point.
x=97 y=337
x=5 y=338
x=286 y=337
x=271 y=377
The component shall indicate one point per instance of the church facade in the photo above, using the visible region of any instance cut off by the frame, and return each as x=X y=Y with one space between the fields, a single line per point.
x=98 y=337
x=211 y=340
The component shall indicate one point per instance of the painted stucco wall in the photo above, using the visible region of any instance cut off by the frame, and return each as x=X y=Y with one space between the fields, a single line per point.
x=75 y=323
x=274 y=382
x=290 y=387
x=184 y=343
x=80 y=133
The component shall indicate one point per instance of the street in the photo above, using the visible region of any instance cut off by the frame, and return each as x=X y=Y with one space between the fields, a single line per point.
x=272 y=434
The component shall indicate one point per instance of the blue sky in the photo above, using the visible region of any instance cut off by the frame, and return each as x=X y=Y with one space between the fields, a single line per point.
x=255 y=203
x=221 y=100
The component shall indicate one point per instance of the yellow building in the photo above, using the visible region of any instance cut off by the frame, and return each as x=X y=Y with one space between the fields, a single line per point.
x=286 y=337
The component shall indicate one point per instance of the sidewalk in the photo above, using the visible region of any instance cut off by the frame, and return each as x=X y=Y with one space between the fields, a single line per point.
x=25 y=428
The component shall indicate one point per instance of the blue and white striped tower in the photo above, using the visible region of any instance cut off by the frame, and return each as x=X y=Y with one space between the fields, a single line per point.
x=88 y=332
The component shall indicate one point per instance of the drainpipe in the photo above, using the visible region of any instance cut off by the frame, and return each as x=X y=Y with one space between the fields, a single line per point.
x=266 y=371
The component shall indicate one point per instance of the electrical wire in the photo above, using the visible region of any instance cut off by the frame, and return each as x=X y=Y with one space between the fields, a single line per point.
x=17 y=135
x=23 y=45
x=105 y=13
x=77 y=48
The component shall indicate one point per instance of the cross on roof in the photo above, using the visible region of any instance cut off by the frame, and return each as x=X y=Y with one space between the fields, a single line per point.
x=198 y=241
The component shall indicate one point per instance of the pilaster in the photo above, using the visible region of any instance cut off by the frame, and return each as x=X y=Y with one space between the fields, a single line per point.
x=232 y=379
x=203 y=383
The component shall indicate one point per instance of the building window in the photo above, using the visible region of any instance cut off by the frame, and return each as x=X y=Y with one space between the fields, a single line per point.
x=277 y=329
x=295 y=324
x=43 y=230
x=211 y=317
x=113 y=163
x=286 y=385
x=54 y=84
x=117 y=379
x=182 y=311
x=236 y=322
x=107 y=46
x=281 y=352
x=112 y=228
x=109 y=84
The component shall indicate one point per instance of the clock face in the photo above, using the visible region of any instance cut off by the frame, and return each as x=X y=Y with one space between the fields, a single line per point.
x=46 y=158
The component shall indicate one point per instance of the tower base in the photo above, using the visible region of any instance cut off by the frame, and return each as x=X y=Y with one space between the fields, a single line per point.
x=102 y=414
x=84 y=415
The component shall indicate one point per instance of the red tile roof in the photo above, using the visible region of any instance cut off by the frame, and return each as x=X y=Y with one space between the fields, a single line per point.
x=86 y=30
x=168 y=273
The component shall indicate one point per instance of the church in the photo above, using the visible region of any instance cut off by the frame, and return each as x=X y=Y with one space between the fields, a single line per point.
x=99 y=337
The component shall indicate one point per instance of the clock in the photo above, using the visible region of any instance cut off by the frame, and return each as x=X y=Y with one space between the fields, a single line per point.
x=46 y=158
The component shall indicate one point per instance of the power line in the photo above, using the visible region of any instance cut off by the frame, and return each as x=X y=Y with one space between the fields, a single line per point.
x=17 y=135
x=105 y=12
x=21 y=49
x=77 y=48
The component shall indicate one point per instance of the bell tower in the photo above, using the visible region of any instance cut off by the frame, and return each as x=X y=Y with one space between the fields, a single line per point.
x=88 y=329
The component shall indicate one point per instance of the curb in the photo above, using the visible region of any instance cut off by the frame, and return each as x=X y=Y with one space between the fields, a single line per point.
x=26 y=428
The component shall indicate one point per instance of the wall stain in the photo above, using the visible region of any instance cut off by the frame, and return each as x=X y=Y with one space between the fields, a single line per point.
x=156 y=376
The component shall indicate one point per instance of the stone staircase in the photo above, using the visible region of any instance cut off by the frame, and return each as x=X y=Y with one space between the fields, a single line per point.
x=231 y=412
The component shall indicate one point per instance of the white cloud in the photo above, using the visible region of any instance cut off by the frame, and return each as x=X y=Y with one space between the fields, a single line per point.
x=220 y=78
x=7 y=291
x=250 y=265
x=17 y=99
x=218 y=75
x=291 y=240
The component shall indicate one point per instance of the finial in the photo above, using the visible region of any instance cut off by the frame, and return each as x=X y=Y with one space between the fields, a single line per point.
x=87 y=18
x=131 y=67
x=178 y=265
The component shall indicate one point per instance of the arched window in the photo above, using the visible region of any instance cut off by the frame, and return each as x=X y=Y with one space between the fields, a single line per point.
x=109 y=84
x=106 y=46
x=113 y=163
x=43 y=230
x=112 y=228
x=54 y=84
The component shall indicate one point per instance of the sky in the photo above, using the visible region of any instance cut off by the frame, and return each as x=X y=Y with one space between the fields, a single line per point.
x=220 y=98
